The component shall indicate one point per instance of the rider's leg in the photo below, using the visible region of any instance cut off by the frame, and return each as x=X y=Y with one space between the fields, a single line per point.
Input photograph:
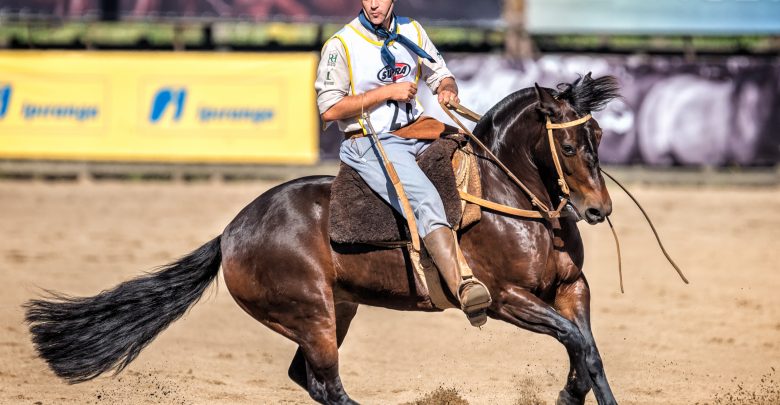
x=423 y=196
x=432 y=224
x=442 y=244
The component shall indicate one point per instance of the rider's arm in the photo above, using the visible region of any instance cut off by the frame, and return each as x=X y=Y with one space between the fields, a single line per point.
x=332 y=83
x=351 y=106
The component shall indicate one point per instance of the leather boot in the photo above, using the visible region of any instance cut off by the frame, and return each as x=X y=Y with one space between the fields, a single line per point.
x=474 y=297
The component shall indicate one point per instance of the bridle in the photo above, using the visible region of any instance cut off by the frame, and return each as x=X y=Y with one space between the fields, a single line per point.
x=541 y=209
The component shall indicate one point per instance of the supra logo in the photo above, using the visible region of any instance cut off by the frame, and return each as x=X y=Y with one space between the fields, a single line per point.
x=163 y=98
x=5 y=99
x=388 y=75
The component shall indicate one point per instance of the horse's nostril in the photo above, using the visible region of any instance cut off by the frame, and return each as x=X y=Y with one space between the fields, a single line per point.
x=594 y=215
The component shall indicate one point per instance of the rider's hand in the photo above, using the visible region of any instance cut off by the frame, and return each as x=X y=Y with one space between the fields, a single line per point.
x=404 y=91
x=448 y=97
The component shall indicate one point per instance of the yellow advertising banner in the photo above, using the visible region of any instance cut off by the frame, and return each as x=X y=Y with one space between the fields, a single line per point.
x=158 y=106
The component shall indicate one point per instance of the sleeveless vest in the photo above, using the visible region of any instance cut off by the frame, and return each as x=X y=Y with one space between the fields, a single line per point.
x=367 y=72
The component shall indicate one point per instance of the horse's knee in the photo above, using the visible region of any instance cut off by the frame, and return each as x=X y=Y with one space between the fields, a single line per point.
x=594 y=363
x=571 y=337
x=575 y=342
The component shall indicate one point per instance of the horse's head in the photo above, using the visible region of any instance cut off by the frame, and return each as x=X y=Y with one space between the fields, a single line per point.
x=576 y=146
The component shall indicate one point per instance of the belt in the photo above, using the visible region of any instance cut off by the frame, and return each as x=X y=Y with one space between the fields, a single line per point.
x=358 y=133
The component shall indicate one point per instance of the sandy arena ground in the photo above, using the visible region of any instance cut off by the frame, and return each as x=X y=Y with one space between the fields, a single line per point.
x=662 y=342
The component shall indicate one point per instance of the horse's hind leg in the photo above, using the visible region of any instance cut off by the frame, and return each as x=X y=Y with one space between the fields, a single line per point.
x=307 y=319
x=573 y=302
x=521 y=308
x=345 y=312
x=321 y=353
x=317 y=352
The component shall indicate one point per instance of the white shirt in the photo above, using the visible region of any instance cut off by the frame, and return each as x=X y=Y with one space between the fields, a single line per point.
x=333 y=75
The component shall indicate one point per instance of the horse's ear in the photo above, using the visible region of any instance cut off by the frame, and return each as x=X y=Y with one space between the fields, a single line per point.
x=547 y=104
x=588 y=78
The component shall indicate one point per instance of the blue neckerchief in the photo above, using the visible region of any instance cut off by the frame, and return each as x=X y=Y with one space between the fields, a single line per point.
x=389 y=36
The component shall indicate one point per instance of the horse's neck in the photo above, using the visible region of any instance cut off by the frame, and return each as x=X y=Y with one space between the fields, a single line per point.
x=497 y=186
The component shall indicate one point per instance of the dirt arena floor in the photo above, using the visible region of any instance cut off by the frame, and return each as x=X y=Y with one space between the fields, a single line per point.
x=716 y=341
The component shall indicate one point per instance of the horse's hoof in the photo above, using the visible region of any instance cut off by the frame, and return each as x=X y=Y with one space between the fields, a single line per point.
x=345 y=401
x=564 y=398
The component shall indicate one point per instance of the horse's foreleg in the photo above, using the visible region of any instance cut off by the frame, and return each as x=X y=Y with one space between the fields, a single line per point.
x=523 y=309
x=573 y=302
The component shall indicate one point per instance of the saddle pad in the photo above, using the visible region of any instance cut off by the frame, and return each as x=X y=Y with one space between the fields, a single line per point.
x=359 y=215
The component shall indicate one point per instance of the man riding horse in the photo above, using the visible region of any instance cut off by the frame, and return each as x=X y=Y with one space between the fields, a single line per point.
x=373 y=65
x=281 y=266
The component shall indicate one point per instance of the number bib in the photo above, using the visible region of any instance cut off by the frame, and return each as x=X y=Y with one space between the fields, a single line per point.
x=367 y=72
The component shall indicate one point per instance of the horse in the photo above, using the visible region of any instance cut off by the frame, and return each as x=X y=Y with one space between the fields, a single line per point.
x=282 y=269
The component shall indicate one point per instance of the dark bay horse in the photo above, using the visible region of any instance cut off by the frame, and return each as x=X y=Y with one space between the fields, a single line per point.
x=282 y=269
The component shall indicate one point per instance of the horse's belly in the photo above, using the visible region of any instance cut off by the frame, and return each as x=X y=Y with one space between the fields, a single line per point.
x=376 y=277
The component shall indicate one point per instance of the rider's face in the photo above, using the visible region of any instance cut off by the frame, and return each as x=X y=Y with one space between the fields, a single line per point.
x=378 y=11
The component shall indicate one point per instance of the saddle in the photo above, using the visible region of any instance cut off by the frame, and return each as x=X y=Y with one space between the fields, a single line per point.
x=360 y=216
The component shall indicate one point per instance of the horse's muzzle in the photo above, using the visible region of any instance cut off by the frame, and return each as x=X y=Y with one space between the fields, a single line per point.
x=597 y=212
x=594 y=216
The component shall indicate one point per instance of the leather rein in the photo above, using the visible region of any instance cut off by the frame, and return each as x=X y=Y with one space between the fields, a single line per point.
x=542 y=211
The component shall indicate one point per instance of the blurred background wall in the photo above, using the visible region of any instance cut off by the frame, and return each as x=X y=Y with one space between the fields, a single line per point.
x=231 y=81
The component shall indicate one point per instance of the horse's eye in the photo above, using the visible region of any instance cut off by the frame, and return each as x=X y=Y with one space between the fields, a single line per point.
x=569 y=150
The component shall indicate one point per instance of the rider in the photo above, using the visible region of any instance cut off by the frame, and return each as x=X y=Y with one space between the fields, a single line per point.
x=373 y=65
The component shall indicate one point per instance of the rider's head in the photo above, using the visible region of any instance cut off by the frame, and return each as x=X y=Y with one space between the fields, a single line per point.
x=379 y=12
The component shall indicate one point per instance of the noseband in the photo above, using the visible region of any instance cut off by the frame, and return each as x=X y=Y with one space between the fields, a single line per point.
x=558 y=168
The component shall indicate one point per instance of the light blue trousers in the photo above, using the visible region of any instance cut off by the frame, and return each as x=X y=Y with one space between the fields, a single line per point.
x=362 y=155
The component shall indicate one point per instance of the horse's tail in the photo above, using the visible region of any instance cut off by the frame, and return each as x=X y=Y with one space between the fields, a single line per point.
x=81 y=338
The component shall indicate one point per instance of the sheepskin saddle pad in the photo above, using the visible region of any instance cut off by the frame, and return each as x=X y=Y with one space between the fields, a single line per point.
x=359 y=215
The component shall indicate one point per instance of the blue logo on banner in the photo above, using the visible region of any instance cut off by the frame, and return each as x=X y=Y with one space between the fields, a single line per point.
x=47 y=111
x=165 y=97
x=5 y=99
x=177 y=98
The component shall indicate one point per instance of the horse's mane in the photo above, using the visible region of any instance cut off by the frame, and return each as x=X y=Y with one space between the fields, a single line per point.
x=584 y=95
x=487 y=128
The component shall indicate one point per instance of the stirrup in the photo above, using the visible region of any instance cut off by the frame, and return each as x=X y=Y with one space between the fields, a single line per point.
x=478 y=303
